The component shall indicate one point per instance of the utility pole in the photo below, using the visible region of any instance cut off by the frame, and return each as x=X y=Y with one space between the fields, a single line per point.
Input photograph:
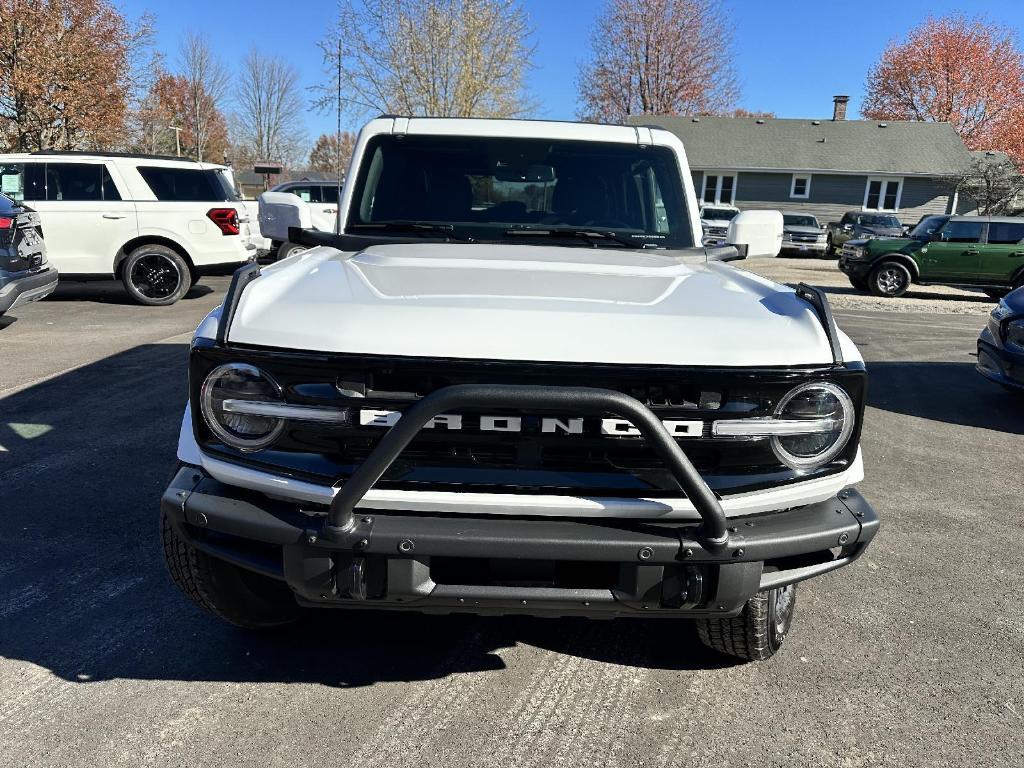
x=337 y=222
x=177 y=137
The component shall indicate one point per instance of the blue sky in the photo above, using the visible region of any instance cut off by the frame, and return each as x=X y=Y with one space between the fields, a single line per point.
x=791 y=57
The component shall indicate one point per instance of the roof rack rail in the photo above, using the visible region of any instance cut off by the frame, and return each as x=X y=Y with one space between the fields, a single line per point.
x=87 y=153
x=819 y=301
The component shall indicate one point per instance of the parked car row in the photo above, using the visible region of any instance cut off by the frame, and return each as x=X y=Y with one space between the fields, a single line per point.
x=156 y=224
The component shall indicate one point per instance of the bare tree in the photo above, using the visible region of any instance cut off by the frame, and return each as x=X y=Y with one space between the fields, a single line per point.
x=446 y=58
x=270 y=108
x=668 y=57
x=207 y=84
x=992 y=184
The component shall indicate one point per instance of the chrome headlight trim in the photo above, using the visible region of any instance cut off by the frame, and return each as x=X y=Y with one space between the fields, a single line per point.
x=806 y=463
x=210 y=417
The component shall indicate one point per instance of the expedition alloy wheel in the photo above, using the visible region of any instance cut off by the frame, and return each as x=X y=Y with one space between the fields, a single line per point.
x=889 y=279
x=758 y=632
x=155 y=275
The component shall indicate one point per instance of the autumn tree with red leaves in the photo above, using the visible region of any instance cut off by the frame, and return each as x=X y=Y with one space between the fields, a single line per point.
x=67 y=73
x=666 y=57
x=328 y=154
x=967 y=72
x=169 y=105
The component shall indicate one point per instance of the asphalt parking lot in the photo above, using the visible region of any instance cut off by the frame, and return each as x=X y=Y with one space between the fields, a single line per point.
x=911 y=657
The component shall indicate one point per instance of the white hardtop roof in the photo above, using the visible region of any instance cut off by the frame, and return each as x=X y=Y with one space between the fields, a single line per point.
x=525 y=129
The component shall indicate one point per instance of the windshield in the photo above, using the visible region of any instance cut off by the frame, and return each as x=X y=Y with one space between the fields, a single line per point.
x=928 y=226
x=793 y=220
x=485 y=188
x=879 y=221
x=718 y=214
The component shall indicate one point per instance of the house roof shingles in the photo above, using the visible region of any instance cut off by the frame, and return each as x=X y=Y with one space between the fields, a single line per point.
x=740 y=143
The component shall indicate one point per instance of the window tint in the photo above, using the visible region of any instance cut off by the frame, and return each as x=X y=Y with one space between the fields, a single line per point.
x=962 y=232
x=489 y=188
x=22 y=181
x=329 y=194
x=79 y=182
x=187 y=185
x=1005 y=232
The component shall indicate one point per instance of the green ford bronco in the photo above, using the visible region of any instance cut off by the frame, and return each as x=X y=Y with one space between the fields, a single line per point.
x=984 y=252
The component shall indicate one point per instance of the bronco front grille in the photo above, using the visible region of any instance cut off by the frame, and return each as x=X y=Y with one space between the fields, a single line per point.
x=528 y=460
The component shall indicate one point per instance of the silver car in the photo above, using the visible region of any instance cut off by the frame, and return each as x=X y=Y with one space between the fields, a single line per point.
x=802 y=235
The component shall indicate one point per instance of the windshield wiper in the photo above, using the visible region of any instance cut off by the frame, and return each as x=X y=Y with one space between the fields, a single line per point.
x=590 y=235
x=418 y=227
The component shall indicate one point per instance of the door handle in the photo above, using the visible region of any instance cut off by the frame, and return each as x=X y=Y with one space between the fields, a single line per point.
x=114 y=216
x=972 y=252
x=1017 y=254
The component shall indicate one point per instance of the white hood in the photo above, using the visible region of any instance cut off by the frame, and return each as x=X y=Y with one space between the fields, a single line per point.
x=529 y=302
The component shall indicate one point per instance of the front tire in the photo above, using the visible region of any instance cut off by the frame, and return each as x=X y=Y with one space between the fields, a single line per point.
x=859 y=283
x=240 y=597
x=830 y=249
x=889 y=279
x=290 y=249
x=758 y=632
x=156 y=276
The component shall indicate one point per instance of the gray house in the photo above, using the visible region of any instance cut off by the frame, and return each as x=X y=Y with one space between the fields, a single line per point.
x=823 y=167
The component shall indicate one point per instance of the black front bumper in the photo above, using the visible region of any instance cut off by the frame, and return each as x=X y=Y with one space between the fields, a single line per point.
x=538 y=566
x=20 y=288
x=854 y=268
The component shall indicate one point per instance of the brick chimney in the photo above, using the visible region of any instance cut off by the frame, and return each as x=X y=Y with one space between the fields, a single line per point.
x=839 y=107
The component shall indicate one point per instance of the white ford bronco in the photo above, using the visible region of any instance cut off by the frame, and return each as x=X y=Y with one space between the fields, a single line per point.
x=513 y=382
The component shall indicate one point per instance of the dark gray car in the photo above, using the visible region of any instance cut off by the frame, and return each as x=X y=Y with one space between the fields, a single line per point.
x=858 y=225
x=25 y=274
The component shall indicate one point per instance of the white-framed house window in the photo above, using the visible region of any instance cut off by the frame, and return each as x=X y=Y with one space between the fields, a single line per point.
x=719 y=188
x=883 y=193
x=800 y=186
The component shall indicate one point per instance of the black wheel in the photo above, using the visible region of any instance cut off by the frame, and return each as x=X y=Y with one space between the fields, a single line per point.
x=830 y=249
x=290 y=249
x=237 y=596
x=757 y=633
x=996 y=293
x=155 y=275
x=889 y=279
x=859 y=283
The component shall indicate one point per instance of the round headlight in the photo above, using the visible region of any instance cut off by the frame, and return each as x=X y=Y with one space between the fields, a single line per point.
x=829 y=414
x=229 y=384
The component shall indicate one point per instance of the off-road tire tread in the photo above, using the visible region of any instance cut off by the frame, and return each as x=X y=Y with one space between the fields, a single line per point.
x=744 y=636
x=190 y=571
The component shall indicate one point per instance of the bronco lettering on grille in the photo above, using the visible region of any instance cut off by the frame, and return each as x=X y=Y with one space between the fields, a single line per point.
x=548 y=425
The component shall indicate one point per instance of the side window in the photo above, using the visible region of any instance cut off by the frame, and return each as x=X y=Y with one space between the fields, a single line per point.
x=847 y=219
x=109 y=188
x=74 y=181
x=186 y=185
x=962 y=232
x=304 y=193
x=329 y=194
x=22 y=181
x=1005 y=233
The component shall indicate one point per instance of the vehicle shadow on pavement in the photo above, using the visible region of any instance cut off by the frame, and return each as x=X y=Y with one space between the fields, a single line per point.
x=109 y=292
x=84 y=593
x=953 y=393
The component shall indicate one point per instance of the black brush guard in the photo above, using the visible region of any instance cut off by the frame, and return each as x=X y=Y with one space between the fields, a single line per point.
x=341 y=520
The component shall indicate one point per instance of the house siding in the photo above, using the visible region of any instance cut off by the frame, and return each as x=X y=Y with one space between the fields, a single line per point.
x=833 y=194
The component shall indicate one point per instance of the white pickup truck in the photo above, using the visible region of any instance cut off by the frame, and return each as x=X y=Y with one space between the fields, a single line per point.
x=514 y=382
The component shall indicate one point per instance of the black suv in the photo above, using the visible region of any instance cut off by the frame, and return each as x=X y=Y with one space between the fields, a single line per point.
x=25 y=274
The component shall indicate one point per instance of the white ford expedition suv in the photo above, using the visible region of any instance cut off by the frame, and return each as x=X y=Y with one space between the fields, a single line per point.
x=515 y=383
x=157 y=224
